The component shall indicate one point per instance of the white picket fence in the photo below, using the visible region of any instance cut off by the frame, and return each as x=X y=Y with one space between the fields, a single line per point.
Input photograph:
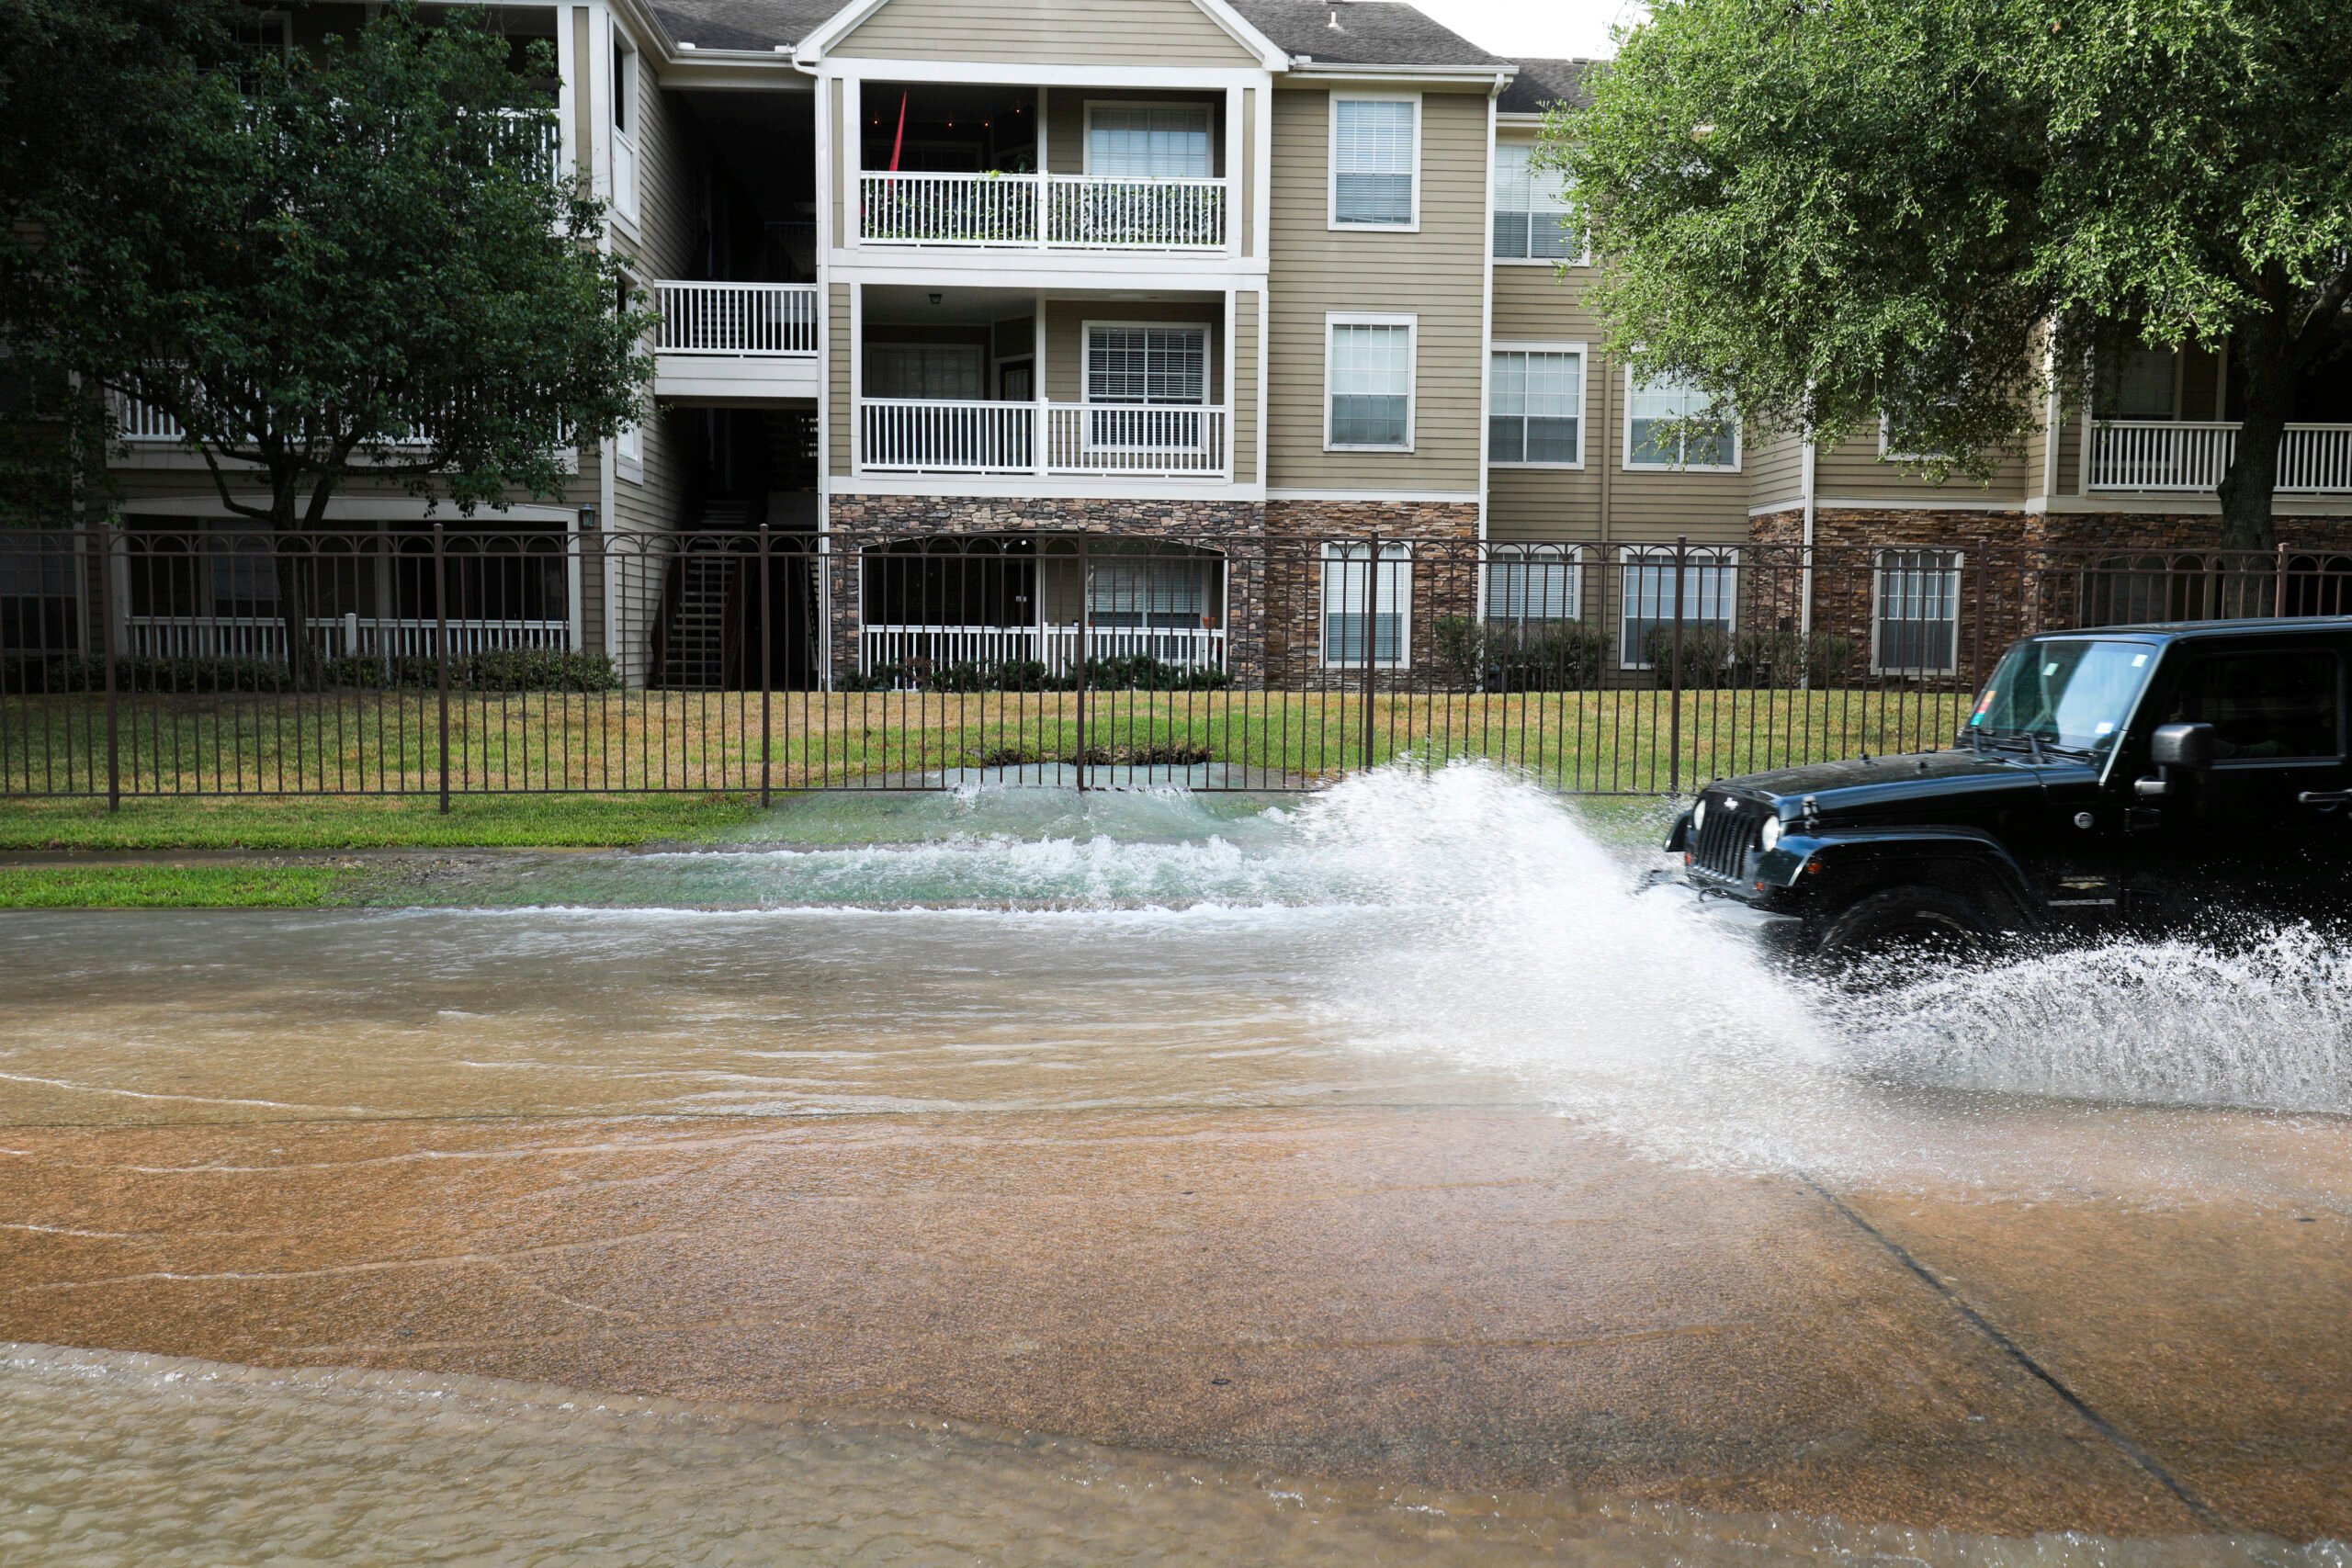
x=1093 y=213
x=887 y=647
x=742 y=320
x=2194 y=455
x=263 y=638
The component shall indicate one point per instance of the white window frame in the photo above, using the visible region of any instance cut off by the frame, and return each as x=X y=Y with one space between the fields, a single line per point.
x=1956 y=561
x=1086 y=386
x=624 y=118
x=1395 y=550
x=1584 y=395
x=1724 y=558
x=1412 y=325
x=1331 y=164
x=1086 y=138
x=285 y=24
x=1511 y=553
x=1625 y=451
x=1583 y=257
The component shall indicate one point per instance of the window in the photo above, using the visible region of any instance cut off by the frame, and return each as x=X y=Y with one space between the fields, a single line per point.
x=625 y=116
x=38 y=613
x=1163 y=592
x=1671 y=425
x=2138 y=383
x=935 y=370
x=1151 y=378
x=1375 y=156
x=1535 y=407
x=244 y=574
x=1148 y=140
x=1534 y=583
x=255 y=36
x=1369 y=378
x=1357 y=593
x=1710 y=597
x=1530 y=204
x=2272 y=705
x=1915 y=630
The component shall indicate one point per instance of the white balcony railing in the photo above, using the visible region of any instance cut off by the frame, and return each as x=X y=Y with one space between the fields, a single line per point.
x=336 y=637
x=1091 y=212
x=914 y=649
x=145 y=425
x=937 y=436
x=2194 y=455
x=739 y=319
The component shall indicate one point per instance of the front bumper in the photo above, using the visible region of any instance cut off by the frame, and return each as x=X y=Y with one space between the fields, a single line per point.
x=1773 y=928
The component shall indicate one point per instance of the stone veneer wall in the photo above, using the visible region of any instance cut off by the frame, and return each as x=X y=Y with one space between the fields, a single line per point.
x=2038 y=577
x=859 y=523
x=1444 y=580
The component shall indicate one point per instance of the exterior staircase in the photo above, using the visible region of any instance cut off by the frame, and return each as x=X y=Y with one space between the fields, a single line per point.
x=696 y=654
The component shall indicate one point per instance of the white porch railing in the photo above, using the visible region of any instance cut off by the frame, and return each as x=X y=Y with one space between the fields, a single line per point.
x=887 y=647
x=2194 y=455
x=737 y=318
x=145 y=425
x=1093 y=212
x=1160 y=441
x=336 y=637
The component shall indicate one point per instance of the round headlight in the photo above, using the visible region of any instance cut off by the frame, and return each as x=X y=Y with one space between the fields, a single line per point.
x=1699 y=815
x=1771 y=834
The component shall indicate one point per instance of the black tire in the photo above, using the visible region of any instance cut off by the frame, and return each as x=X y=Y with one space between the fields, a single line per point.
x=1883 y=930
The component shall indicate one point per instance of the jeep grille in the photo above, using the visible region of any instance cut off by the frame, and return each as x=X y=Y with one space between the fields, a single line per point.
x=1731 y=832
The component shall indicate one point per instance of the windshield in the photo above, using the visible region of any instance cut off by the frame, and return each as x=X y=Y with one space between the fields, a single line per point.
x=2072 y=696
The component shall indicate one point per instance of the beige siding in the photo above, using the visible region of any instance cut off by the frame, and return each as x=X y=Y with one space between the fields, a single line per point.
x=2070 y=450
x=1853 y=469
x=1776 y=471
x=1066 y=337
x=1046 y=32
x=1244 y=388
x=843 y=143
x=837 y=381
x=1543 y=304
x=1544 y=503
x=653 y=506
x=665 y=218
x=1437 y=275
x=1243 y=169
x=1066 y=122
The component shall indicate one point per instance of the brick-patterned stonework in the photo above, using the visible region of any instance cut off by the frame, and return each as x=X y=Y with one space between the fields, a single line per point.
x=1444 y=581
x=2040 y=567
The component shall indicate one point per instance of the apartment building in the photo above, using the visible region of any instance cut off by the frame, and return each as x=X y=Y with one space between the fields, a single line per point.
x=1183 y=280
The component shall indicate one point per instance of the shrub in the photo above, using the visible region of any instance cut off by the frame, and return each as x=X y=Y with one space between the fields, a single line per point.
x=508 y=669
x=1520 y=656
x=1713 y=657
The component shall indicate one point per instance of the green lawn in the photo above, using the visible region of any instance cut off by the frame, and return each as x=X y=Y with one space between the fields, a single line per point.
x=1630 y=742
x=161 y=887
x=482 y=821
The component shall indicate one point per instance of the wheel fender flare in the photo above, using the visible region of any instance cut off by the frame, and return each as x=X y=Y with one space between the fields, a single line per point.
x=1799 y=859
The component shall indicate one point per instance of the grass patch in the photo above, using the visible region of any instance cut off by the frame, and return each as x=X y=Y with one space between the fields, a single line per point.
x=172 y=887
x=576 y=821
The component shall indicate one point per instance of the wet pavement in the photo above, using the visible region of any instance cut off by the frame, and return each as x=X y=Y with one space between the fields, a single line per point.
x=1359 y=1188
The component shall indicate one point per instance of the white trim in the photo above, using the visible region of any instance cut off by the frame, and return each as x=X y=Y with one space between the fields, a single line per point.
x=1625 y=451
x=848 y=19
x=1399 y=497
x=1086 y=131
x=1957 y=562
x=1584 y=399
x=1412 y=325
x=1533 y=553
x=1633 y=553
x=1494 y=152
x=857 y=375
x=1486 y=363
x=354 y=509
x=1086 y=358
x=1012 y=74
x=1331 y=163
x=1035 y=487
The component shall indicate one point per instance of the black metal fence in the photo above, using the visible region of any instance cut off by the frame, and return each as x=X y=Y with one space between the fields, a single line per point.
x=440 y=662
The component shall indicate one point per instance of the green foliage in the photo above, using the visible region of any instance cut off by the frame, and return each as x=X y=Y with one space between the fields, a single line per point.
x=1137 y=673
x=510 y=670
x=1825 y=212
x=1513 y=655
x=1714 y=658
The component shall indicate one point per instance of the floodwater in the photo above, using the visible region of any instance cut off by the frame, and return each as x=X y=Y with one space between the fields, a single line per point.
x=1013 y=1176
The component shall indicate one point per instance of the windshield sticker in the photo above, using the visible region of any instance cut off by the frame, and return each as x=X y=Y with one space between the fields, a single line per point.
x=2138 y=660
x=2049 y=670
x=2106 y=726
x=1978 y=716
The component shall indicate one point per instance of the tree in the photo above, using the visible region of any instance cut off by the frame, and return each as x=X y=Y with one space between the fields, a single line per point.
x=1942 y=210
x=359 y=265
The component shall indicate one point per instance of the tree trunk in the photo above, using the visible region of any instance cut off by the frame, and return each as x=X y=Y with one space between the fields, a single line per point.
x=304 y=668
x=2247 y=491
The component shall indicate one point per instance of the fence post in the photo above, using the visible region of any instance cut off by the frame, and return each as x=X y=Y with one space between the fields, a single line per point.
x=106 y=634
x=1371 y=641
x=1674 y=677
x=441 y=650
x=767 y=677
x=1085 y=618
x=2278 y=587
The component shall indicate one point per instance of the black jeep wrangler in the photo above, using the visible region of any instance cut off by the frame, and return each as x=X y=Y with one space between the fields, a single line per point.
x=2118 y=777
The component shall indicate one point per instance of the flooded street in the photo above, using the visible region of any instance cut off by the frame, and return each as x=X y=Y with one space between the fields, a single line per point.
x=1140 y=1177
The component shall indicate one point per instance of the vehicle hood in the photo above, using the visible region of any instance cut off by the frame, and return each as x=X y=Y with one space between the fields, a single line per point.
x=1911 y=783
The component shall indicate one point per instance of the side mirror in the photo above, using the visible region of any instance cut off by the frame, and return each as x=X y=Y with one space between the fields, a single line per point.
x=2182 y=746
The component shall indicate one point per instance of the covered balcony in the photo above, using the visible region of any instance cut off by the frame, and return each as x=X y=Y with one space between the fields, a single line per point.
x=2168 y=421
x=1015 y=608
x=1042 y=168
x=999 y=382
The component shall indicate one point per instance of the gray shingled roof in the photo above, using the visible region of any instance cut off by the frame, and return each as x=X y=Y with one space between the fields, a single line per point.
x=1370 y=32
x=1543 y=83
x=742 y=24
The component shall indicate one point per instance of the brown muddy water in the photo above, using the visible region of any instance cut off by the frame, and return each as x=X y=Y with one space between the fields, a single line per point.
x=1003 y=1176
